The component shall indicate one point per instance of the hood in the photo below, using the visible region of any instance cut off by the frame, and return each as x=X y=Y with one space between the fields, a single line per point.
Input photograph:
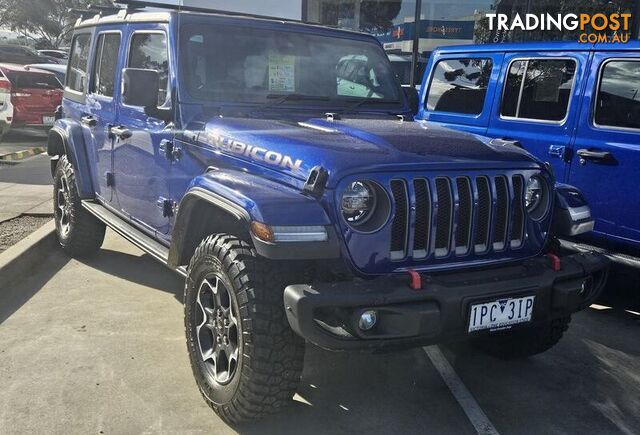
x=349 y=145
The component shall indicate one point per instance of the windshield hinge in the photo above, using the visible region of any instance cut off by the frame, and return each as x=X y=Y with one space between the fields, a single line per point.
x=331 y=116
x=316 y=181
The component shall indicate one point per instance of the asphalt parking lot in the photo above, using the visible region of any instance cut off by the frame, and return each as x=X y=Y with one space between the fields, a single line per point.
x=98 y=347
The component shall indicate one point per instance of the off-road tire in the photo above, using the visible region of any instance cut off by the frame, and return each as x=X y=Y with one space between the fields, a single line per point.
x=526 y=342
x=85 y=233
x=271 y=356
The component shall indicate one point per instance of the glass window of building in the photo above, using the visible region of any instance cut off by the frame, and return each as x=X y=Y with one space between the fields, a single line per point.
x=618 y=101
x=459 y=86
x=545 y=93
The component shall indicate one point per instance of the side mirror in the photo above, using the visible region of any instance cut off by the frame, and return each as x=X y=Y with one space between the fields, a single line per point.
x=412 y=97
x=140 y=87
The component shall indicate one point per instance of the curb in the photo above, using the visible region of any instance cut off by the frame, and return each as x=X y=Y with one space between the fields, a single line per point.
x=20 y=155
x=25 y=255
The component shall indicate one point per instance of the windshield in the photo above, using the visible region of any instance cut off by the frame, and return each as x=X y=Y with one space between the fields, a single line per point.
x=249 y=65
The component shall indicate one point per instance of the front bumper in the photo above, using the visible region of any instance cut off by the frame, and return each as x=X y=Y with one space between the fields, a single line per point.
x=327 y=314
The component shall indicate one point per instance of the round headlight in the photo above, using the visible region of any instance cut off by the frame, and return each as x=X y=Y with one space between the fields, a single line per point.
x=358 y=202
x=534 y=194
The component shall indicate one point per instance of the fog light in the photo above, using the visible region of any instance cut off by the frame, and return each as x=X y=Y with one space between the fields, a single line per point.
x=368 y=320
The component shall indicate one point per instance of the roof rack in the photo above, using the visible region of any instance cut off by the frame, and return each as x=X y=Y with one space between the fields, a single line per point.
x=141 y=4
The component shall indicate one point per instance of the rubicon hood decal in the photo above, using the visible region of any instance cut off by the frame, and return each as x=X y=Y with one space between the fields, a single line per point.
x=254 y=152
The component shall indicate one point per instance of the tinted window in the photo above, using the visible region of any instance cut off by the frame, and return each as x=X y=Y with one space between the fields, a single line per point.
x=105 y=64
x=546 y=91
x=32 y=80
x=149 y=51
x=77 y=73
x=459 y=86
x=618 y=103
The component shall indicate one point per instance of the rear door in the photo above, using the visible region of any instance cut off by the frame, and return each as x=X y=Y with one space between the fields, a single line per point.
x=539 y=102
x=100 y=110
x=606 y=161
x=459 y=90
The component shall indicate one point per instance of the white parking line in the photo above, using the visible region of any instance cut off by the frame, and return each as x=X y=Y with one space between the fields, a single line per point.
x=476 y=416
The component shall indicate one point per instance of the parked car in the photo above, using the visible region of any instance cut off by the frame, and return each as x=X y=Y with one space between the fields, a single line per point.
x=578 y=108
x=35 y=95
x=60 y=71
x=58 y=54
x=299 y=209
x=6 y=106
x=23 y=55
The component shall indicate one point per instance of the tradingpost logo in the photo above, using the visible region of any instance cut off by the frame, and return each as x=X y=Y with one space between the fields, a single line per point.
x=592 y=28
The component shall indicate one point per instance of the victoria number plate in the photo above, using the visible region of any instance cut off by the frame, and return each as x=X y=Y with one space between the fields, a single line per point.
x=500 y=314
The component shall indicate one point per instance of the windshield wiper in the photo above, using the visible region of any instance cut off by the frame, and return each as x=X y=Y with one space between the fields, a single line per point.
x=372 y=102
x=282 y=98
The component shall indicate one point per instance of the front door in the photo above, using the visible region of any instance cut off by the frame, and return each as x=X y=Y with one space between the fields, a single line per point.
x=606 y=158
x=539 y=103
x=101 y=110
x=141 y=168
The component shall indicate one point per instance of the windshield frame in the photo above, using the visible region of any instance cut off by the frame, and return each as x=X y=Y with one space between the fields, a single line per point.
x=344 y=103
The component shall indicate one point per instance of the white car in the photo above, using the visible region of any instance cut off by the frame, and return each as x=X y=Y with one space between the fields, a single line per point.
x=6 y=107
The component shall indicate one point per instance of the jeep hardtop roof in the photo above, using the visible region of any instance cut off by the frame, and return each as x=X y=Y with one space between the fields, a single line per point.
x=137 y=12
x=632 y=45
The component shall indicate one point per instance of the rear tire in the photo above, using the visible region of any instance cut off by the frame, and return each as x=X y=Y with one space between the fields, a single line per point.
x=526 y=342
x=79 y=232
x=245 y=358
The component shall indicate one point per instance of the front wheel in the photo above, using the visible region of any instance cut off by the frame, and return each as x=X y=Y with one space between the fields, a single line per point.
x=525 y=342
x=245 y=358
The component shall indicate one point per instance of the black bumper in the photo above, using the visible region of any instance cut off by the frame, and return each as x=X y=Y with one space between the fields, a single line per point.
x=327 y=314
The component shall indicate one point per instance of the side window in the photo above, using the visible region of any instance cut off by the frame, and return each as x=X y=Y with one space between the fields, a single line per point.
x=104 y=75
x=618 y=101
x=459 y=86
x=77 y=72
x=149 y=51
x=538 y=89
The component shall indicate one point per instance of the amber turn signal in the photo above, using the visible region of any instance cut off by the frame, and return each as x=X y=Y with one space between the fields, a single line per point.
x=262 y=231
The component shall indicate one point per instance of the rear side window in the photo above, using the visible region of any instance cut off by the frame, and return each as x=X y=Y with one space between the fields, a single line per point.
x=538 y=89
x=105 y=64
x=149 y=51
x=459 y=86
x=77 y=72
x=618 y=101
x=32 y=80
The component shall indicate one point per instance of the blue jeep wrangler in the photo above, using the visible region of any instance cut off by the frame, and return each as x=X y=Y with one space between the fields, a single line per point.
x=573 y=105
x=276 y=166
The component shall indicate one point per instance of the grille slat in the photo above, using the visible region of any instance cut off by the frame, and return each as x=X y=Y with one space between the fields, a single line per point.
x=400 y=224
x=465 y=215
x=443 y=216
x=517 y=220
x=422 y=219
x=502 y=213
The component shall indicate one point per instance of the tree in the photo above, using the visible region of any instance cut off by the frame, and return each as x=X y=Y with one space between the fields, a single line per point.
x=47 y=22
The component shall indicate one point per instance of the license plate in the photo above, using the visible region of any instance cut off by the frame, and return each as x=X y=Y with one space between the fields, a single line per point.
x=500 y=314
x=48 y=120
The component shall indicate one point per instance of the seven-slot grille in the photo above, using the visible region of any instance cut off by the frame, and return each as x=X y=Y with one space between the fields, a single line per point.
x=457 y=215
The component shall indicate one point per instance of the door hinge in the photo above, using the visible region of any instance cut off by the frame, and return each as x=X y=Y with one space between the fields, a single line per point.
x=170 y=150
x=111 y=179
x=169 y=207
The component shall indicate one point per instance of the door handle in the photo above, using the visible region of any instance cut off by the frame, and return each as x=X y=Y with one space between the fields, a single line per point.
x=89 y=121
x=120 y=132
x=595 y=156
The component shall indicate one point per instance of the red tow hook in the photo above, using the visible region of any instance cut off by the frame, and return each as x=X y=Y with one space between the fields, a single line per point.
x=416 y=280
x=555 y=262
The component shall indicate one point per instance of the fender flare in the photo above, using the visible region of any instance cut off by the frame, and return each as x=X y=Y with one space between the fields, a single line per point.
x=66 y=138
x=180 y=240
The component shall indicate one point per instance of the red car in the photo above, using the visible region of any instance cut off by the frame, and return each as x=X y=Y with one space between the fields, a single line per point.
x=35 y=95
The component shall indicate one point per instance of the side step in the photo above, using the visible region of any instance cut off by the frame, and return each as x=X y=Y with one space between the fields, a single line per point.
x=129 y=232
x=626 y=260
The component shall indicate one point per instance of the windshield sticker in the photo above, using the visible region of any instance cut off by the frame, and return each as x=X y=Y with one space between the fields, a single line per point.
x=282 y=76
x=256 y=153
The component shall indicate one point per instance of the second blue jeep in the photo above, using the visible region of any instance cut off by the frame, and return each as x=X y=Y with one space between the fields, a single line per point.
x=277 y=167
